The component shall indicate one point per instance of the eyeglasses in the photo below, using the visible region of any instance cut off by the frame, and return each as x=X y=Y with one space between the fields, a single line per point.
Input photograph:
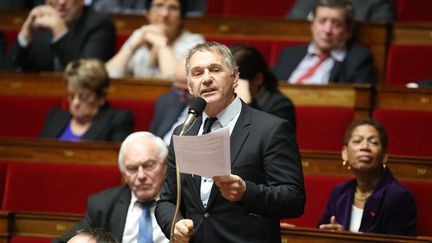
x=147 y=166
x=83 y=97
x=158 y=7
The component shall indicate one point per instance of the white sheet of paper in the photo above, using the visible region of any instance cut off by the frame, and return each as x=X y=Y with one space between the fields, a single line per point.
x=206 y=155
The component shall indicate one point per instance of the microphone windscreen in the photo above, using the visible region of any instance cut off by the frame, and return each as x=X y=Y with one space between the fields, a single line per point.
x=197 y=107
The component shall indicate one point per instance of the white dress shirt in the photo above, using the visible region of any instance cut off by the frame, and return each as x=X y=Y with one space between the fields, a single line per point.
x=130 y=232
x=226 y=118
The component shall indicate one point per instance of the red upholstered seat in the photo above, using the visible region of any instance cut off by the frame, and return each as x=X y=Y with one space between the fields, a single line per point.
x=57 y=188
x=10 y=36
x=409 y=131
x=142 y=110
x=278 y=45
x=215 y=7
x=2 y=179
x=413 y=10
x=263 y=46
x=274 y=8
x=318 y=189
x=24 y=116
x=421 y=191
x=28 y=239
x=322 y=128
x=408 y=63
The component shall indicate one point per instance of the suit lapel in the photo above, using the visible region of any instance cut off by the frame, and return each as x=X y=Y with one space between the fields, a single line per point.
x=98 y=126
x=335 y=73
x=119 y=214
x=238 y=137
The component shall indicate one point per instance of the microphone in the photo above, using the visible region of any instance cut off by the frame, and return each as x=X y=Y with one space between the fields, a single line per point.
x=197 y=107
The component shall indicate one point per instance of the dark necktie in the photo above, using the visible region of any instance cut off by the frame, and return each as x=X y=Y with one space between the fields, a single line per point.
x=145 y=233
x=208 y=124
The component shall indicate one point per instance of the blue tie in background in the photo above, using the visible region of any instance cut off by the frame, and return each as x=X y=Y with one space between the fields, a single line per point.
x=145 y=233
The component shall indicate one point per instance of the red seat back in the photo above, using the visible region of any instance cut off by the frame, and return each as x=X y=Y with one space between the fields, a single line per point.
x=409 y=132
x=275 y=8
x=413 y=11
x=28 y=239
x=2 y=180
x=421 y=191
x=143 y=111
x=322 y=128
x=25 y=114
x=402 y=70
x=318 y=189
x=57 y=188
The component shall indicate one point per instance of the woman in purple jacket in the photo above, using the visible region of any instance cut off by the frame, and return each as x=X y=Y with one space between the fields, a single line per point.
x=374 y=201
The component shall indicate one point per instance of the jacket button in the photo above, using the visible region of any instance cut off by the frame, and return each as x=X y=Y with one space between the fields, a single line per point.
x=206 y=215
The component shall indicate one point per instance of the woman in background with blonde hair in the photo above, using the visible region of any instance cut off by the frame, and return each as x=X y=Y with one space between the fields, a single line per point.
x=89 y=116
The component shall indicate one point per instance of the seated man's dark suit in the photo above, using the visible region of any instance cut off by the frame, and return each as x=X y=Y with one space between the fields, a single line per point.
x=264 y=154
x=167 y=109
x=357 y=67
x=107 y=210
x=108 y=125
x=92 y=36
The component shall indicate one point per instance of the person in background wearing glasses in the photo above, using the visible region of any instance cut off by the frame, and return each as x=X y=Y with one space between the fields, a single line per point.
x=89 y=116
x=153 y=49
x=142 y=162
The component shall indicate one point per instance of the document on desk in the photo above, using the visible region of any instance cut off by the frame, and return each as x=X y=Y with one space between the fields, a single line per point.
x=206 y=155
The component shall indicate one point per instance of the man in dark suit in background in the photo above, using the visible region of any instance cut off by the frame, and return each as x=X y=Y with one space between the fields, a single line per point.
x=171 y=109
x=142 y=162
x=61 y=31
x=330 y=56
x=266 y=183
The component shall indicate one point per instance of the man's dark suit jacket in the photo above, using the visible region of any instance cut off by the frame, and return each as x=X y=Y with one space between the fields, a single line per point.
x=107 y=210
x=357 y=67
x=167 y=109
x=108 y=125
x=265 y=155
x=92 y=36
x=391 y=209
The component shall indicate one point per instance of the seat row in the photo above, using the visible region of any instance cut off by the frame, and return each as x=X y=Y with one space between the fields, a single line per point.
x=323 y=112
x=63 y=188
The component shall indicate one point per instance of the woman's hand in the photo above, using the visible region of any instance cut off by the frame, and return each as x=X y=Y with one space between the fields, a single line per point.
x=332 y=226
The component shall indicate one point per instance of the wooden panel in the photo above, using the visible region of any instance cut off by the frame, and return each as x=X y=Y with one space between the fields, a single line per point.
x=301 y=235
x=330 y=163
x=409 y=33
x=338 y=95
x=51 y=84
x=4 y=227
x=103 y=153
x=402 y=98
x=53 y=151
x=42 y=225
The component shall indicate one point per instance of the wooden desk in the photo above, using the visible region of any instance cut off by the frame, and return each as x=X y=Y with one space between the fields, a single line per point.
x=356 y=96
x=301 y=235
x=330 y=163
x=53 y=151
x=106 y=153
x=4 y=226
x=36 y=224
x=402 y=98
x=412 y=33
x=51 y=84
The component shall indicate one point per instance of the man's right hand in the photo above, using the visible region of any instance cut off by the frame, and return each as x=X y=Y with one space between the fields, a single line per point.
x=183 y=231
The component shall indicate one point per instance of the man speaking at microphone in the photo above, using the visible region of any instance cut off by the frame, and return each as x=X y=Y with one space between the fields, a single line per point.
x=266 y=180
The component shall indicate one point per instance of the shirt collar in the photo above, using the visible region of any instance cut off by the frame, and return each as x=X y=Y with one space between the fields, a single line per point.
x=337 y=54
x=228 y=114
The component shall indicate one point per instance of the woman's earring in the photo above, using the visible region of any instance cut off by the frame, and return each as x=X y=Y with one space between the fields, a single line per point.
x=384 y=165
x=345 y=163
